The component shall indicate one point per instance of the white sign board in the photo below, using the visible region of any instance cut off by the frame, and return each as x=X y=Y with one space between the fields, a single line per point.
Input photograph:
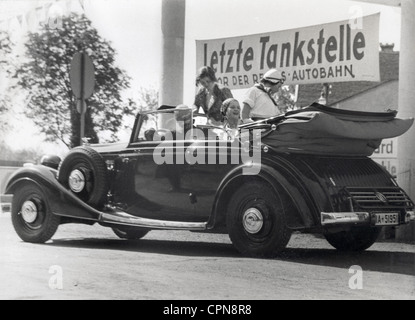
x=386 y=155
x=333 y=52
x=387 y=149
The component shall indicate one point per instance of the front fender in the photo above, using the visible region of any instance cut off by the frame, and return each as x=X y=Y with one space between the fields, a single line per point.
x=61 y=201
x=33 y=173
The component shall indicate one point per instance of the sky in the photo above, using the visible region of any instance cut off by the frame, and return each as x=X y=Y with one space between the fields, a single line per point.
x=134 y=29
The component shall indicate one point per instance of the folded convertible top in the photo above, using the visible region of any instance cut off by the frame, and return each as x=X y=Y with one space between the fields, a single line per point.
x=328 y=131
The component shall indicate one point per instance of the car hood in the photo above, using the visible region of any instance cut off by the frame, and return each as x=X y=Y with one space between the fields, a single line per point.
x=109 y=147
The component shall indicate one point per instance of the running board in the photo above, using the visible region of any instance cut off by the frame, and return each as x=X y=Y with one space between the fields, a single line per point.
x=119 y=217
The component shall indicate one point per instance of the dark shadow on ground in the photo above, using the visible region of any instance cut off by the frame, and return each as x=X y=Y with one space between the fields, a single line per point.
x=181 y=248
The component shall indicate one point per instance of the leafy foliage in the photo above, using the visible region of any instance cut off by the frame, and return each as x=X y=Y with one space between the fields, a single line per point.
x=285 y=98
x=148 y=99
x=45 y=76
x=6 y=48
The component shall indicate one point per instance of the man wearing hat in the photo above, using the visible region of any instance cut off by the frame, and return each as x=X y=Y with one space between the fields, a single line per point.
x=258 y=102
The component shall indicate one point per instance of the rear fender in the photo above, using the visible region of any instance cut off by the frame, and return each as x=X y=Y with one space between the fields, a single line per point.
x=304 y=214
x=61 y=201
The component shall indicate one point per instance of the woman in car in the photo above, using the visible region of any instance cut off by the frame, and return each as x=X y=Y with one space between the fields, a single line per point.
x=210 y=95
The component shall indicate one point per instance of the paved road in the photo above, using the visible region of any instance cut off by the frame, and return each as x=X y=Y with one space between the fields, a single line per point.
x=89 y=262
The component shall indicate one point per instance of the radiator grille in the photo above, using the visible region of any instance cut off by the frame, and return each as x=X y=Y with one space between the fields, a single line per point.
x=380 y=198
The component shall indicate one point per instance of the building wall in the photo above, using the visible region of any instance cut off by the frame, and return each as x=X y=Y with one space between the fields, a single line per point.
x=378 y=99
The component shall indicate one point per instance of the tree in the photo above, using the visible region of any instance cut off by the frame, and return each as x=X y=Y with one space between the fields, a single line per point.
x=45 y=77
x=148 y=99
x=6 y=48
x=285 y=98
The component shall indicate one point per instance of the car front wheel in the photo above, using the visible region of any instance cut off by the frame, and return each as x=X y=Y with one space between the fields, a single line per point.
x=31 y=217
x=256 y=221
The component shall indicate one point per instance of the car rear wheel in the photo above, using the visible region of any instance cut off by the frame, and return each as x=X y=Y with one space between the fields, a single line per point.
x=357 y=239
x=130 y=233
x=83 y=171
x=31 y=217
x=256 y=221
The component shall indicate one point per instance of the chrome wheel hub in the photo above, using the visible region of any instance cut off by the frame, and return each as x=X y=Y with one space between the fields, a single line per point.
x=76 y=181
x=252 y=220
x=29 y=211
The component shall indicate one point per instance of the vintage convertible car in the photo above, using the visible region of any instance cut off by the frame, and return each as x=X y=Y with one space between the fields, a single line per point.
x=306 y=171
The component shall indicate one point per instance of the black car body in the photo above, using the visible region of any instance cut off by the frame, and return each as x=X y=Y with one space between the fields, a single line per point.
x=343 y=195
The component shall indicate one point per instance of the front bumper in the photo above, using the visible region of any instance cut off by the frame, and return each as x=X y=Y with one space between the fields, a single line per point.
x=341 y=218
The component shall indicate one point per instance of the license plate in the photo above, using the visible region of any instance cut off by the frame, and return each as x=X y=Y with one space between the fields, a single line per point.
x=387 y=219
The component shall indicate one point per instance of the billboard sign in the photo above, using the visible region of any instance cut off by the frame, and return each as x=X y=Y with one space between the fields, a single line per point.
x=332 y=52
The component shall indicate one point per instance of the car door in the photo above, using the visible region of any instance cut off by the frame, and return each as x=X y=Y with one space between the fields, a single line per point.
x=162 y=185
x=216 y=158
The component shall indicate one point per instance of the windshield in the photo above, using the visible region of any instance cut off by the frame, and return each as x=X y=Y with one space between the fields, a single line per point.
x=181 y=124
x=165 y=121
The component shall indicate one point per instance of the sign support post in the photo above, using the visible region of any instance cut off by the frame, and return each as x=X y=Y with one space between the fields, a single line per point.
x=82 y=83
x=82 y=99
